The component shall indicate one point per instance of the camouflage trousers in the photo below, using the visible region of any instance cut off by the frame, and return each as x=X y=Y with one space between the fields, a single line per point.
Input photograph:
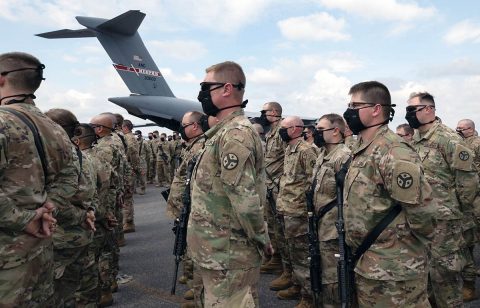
x=471 y=238
x=128 y=211
x=279 y=230
x=106 y=262
x=446 y=281
x=298 y=250
x=151 y=170
x=88 y=294
x=70 y=265
x=30 y=284
x=163 y=174
x=330 y=295
x=141 y=181
x=230 y=288
x=197 y=286
x=390 y=293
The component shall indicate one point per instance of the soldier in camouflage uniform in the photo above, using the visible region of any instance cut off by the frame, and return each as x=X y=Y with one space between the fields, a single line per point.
x=108 y=150
x=150 y=159
x=192 y=133
x=271 y=115
x=328 y=135
x=449 y=169
x=466 y=129
x=31 y=187
x=84 y=137
x=76 y=223
x=162 y=151
x=134 y=163
x=144 y=154
x=385 y=172
x=226 y=231
x=176 y=150
x=405 y=131
x=292 y=205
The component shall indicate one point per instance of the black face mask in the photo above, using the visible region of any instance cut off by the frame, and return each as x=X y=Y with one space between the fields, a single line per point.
x=318 y=139
x=204 y=123
x=412 y=119
x=262 y=120
x=181 y=130
x=305 y=137
x=283 y=132
x=150 y=137
x=460 y=132
x=162 y=139
x=352 y=117
x=205 y=98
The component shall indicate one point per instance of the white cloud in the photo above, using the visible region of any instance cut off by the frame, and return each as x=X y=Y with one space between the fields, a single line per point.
x=188 y=77
x=179 y=49
x=390 y=10
x=462 y=32
x=267 y=76
x=316 y=27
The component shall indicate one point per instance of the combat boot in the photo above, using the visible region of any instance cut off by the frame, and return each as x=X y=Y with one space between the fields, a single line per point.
x=305 y=302
x=274 y=266
x=128 y=227
x=114 y=286
x=188 y=305
x=469 y=291
x=188 y=295
x=106 y=299
x=291 y=293
x=121 y=242
x=183 y=279
x=283 y=282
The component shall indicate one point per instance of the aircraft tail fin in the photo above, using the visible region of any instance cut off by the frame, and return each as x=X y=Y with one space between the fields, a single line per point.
x=120 y=39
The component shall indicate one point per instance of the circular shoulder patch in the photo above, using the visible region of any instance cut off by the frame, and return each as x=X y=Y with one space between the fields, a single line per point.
x=404 y=180
x=463 y=155
x=230 y=161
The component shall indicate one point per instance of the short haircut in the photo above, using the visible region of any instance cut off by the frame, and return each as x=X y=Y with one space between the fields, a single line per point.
x=424 y=97
x=230 y=72
x=118 y=119
x=469 y=123
x=86 y=132
x=128 y=124
x=163 y=134
x=406 y=128
x=26 y=80
x=138 y=132
x=374 y=92
x=195 y=116
x=275 y=106
x=65 y=119
x=336 y=120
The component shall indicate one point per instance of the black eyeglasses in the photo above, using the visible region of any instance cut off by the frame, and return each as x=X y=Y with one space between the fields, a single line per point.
x=356 y=105
x=324 y=130
x=205 y=86
x=400 y=135
x=415 y=108
x=265 y=111
x=187 y=124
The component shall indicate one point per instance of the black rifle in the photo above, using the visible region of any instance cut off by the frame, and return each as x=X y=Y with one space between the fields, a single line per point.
x=313 y=248
x=345 y=267
x=273 y=205
x=180 y=224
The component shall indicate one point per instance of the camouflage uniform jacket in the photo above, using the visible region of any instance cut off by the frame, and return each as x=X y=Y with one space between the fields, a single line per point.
x=350 y=142
x=383 y=172
x=226 y=229
x=132 y=152
x=107 y=151
x=124 y=170
x=23 y=188
x=451 y=173
x=325 y=190
x=175 y=198
x=70 y=233
x=473 y=142
x=274 y=156
x=103 y=173
x=143 y=152
x=296 y=179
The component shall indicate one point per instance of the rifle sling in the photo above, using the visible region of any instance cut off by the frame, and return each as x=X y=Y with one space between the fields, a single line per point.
x=375 y=233
x=326 y=209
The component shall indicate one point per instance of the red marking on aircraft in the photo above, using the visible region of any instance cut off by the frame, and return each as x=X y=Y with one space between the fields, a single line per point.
x=136 y=70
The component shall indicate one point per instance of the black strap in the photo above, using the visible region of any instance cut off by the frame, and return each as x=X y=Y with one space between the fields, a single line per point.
x=375 y=233
x=36 y=137
x=326 y=209
x=141 y=145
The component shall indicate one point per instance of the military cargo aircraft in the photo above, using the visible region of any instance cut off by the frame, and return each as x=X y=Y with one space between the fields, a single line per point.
x=151 y=98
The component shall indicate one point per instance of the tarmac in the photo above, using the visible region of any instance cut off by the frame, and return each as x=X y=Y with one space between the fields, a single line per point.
x=148 y=258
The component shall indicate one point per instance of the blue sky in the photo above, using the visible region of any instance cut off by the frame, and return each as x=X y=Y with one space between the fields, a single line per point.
x=304 y=54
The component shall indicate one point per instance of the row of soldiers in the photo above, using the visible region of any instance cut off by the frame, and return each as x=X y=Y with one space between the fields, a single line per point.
x=420 y=195
x=66 y=193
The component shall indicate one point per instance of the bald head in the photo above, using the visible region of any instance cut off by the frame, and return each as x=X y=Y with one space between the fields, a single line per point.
x=103 y=124
x=292 y=121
